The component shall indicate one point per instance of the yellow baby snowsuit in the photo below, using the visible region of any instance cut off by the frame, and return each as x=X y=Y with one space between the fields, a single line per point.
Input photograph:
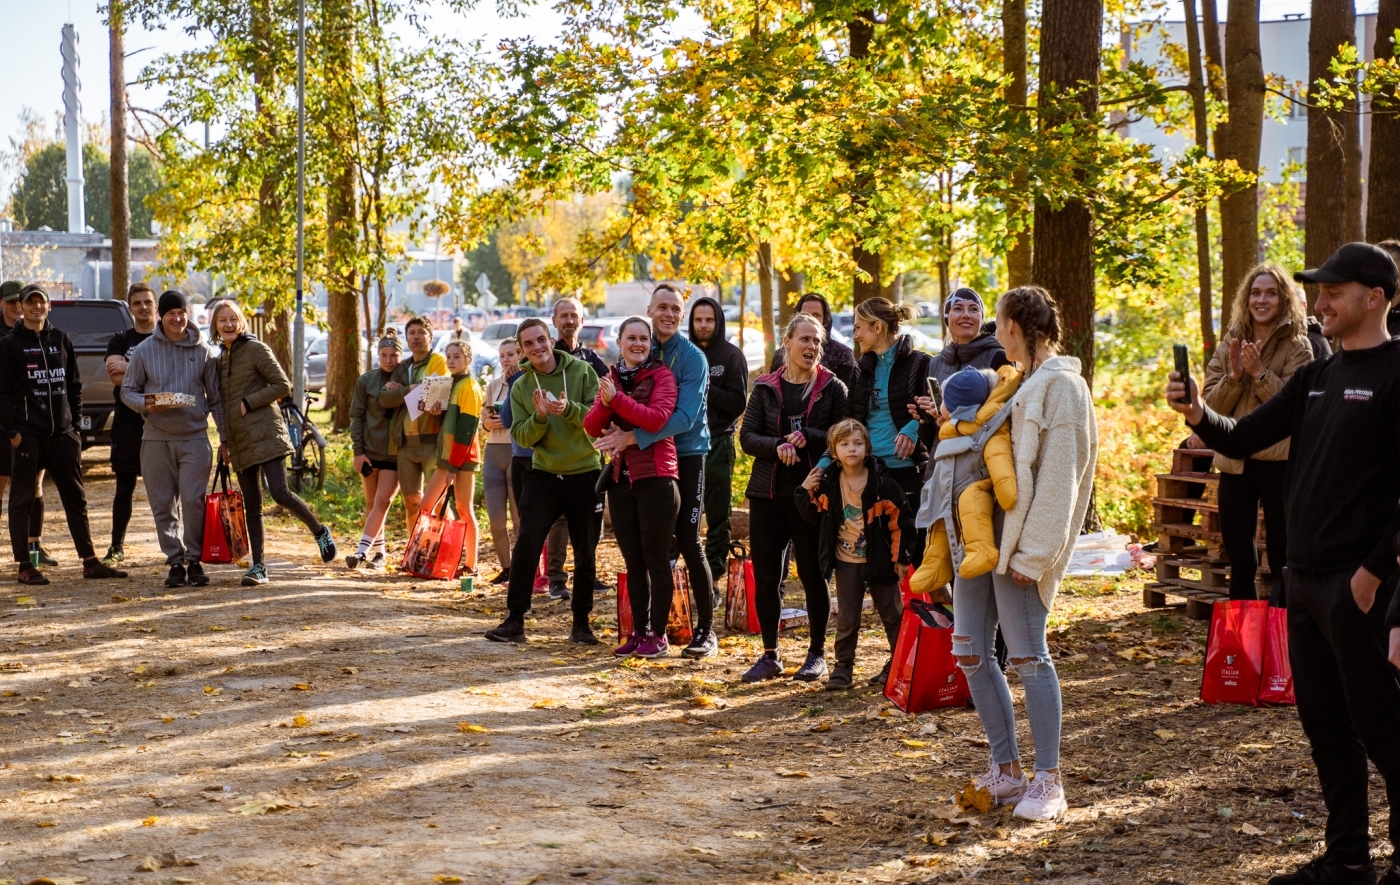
x=971 y=515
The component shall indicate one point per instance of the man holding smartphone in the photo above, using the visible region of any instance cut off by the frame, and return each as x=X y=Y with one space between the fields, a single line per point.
x=1343 y=415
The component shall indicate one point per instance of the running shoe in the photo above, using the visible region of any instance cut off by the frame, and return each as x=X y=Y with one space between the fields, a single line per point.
x=326 y=543
x=378 y=562
x=30 y=575
x=625 y=649
x=702 y=645
x=355 y=560
x=45 y=558
x=769 y=666
x=509 y=630
x=1045 y=800
x=502 y=577
x=1005 y=789
x=840 y=679
x=653 y=646
x=558 y=591
x=812 y=669
x=195 y=576
x=115 y=554
x=176 y=578
x=255 y=576
x=582 y=634
x=95 y=570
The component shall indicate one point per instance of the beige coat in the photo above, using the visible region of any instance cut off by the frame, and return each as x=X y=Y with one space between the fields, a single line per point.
x=250 y=374
x=1055 y=444
x=1283 y=354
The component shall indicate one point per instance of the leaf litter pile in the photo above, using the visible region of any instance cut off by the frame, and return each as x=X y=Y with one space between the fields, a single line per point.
x=346 y=728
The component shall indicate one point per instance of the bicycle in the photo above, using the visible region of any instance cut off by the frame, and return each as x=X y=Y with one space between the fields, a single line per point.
x=307 y=463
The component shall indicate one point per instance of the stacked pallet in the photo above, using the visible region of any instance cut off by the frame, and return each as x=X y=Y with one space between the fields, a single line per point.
x=1191 y=561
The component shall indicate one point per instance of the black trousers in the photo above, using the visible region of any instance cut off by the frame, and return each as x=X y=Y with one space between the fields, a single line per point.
x=61 y=456
x=1240 y=495
x=851 y=586
x=643 y=514
x=1348 y=701
x=276 y=473
x=773 y=522
x=544 y=497
x=912 y=482
x=719 y=481
x=121 y=505
x=702 y=584
x=558 y=538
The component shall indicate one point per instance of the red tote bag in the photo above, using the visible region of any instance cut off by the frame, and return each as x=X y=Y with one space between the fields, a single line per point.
x=678 y=630
x=1235 y=652
x=225 y=524
x=435 y=547
x=924 y=674
x=740 y=613
x=1276 y=681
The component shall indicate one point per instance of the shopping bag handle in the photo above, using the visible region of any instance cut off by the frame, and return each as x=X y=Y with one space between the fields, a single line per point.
x=738 y=550
x=930 y=612
x=219 y=481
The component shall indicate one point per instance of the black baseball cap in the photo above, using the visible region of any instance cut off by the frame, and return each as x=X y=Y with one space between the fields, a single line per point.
x=30 y=291
x=10 y=289
x=1357 y=263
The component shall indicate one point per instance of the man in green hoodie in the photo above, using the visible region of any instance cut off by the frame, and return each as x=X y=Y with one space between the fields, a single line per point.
x=549 y=402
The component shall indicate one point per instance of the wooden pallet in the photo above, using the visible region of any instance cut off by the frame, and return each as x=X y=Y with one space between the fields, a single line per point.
x=1199 y=603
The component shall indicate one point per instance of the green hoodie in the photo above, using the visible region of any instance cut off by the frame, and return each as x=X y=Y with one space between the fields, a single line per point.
x=561 y=445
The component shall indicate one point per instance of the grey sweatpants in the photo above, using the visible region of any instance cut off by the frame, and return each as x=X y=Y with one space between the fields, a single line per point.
x=176 y=472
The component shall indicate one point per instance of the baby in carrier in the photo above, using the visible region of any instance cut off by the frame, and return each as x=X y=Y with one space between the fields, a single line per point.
x=973 y=462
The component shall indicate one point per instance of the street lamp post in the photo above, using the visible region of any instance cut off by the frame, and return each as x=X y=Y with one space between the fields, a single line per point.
x=299 y=324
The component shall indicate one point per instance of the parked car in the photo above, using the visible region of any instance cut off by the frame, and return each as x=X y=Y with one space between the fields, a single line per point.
x=928 y=309
x=484 y=354
x=600 y=335
x=317 y=352
x=90 y=325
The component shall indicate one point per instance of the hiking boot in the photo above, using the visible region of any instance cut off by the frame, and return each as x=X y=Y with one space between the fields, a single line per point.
x=115 y=554
x=194 y=574
x=355 y=560
x=1326 y=871
x=95 y=569
x=812 y=669
x=625 y=649
x=769 y=666
x=702 y=645
x=1005 y=789
x=879 y=679
x=509 y=630
x=377 y=562
x=326 y=543
x=1044 y=799
x=45 y=558
x=653 y=646
x=502 y=577
x=582 y=634
x=558 y=592
x=30 y=575
x=176 y=578
x=255 y=576
x=840 y=678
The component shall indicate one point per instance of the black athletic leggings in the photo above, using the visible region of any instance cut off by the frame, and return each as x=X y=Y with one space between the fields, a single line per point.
x=121 y=506
x=1240 y=495
x=276 y=473
x=643 y=516
x=773 y=522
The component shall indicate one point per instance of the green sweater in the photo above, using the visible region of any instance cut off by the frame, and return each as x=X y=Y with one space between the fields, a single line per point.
x=561 y=445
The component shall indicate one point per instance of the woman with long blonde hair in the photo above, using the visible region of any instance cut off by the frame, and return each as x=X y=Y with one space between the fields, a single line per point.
x=1265 y=342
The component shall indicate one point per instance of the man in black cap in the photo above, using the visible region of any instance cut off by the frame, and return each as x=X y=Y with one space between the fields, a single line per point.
x=1343 y=414
x=40 y=392
x=11 y=315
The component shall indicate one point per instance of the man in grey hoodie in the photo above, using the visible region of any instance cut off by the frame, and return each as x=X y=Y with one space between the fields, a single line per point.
x=175 y=451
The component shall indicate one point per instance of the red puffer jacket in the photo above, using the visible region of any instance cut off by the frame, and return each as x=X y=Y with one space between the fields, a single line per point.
x=649 y=406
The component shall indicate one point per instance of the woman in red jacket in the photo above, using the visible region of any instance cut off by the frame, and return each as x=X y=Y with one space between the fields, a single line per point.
x=643 y=496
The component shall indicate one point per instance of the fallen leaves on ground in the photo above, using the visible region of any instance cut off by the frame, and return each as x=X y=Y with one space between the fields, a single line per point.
x=262 y=807
x=468 y=728
x=974 y=798
x=747 y=834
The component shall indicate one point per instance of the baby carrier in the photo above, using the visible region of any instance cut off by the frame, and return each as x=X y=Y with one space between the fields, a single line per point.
x=957 y=463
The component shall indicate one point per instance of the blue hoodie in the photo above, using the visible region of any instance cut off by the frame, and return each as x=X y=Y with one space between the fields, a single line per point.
x=689 y=424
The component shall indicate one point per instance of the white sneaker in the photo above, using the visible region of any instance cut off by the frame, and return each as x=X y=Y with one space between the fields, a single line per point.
x=1045 y=800
x=1005 y=789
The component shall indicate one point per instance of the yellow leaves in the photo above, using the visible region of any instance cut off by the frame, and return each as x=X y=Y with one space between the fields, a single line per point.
x=696 y=849
x=910 y=742
x=65 y=778
x=212 y=691
x=26 y=600
x=546 y=703
x=784 y=772
x=1251 y=830
x=303 y=686
x=1165 y=735
x=971 y=797
x=118 y=598
x=447 y=880
x=349 y=671
x=1189 y=660
x=821 y=727
x=300 y=721
x=709 y=702
x=150 y=821
x=262 y=807
x=917 y=754
x=45 y=823
x=215 y=628
x=468 y=728
x=139 y=670
x=747 y=834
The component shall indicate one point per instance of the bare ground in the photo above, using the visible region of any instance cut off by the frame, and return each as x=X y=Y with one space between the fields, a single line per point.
x=340 y=728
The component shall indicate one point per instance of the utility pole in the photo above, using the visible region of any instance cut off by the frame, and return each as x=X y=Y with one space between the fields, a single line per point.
x=73 y=130
x=299 y=323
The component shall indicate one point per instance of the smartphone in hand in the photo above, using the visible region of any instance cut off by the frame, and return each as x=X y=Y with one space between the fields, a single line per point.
x=935 y=392
x=1183 y=370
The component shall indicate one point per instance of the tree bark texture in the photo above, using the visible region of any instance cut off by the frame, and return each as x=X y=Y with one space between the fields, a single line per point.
x=1198 y=107
x=1238 y=140
x=866 y=285
x=1064 y=253
x=342 y=287
x=1383 y=178
x=1013 y=66
x=765 y=296
x=1215 y=55
x=121 y=199
x=790 y=286
x=1325 y=200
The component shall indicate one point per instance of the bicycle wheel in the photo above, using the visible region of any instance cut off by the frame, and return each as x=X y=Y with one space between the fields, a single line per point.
x=308 y=464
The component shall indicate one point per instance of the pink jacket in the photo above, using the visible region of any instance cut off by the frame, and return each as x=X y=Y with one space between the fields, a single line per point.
x=649 y=406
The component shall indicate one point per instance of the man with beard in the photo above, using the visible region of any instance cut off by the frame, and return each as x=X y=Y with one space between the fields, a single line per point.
x=729 y=392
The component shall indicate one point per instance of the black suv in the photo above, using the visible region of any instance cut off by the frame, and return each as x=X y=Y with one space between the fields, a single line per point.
x=90 y=326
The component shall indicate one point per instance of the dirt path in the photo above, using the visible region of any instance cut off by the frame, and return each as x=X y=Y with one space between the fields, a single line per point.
x=386 y=742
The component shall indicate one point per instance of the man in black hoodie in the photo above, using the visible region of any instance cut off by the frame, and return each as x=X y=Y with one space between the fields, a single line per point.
x=11 y=315
x=729 y=393
x=835 y=356
x=40 y=392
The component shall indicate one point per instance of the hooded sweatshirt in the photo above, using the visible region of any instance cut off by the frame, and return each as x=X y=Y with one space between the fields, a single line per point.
x=835 y=356
x=982 y=352
x=159 y=365
x=729 y=373
x=40 y=390
x=561 y=445
x=689 y=423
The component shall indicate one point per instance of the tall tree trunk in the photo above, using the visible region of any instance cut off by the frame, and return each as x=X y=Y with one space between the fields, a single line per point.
x=1018 y=211
x=1064 y=250
x=343 y=341
x=1238 y=140
x=866 y=285
x=1383 y=178
x=1215 y=56
x=1325 y=201
x=765 y=297
x=1198 y=107
x=121 y=200
x=790 y=287
x=270 y=221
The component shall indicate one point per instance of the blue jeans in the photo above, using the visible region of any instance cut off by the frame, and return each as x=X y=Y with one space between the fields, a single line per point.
x=978 y=605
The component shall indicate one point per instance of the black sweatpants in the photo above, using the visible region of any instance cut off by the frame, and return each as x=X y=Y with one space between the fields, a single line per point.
x=851 y=586
x=702 y=585
x=558 y=537
x=719 y=481
x=544 y=497
x=910 y=479
x=1348 y=701
x=276 y=473
x=61 y=456
x=1240 y=495
x=773 y=522
x=643 y=513
x=121 y=506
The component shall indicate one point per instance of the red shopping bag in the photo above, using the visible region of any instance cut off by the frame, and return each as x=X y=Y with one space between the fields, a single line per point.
x=435 y=546
x=924 y=675
x=1276 y=682
x=678 y=631
x=1235 y=652
x=542 y=572
x=225 y=524
x=740 y=613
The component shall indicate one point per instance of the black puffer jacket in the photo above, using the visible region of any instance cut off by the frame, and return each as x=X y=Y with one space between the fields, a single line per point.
x=40 y=389
x=908 y=379
x=889 y=520
x=761 y=433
